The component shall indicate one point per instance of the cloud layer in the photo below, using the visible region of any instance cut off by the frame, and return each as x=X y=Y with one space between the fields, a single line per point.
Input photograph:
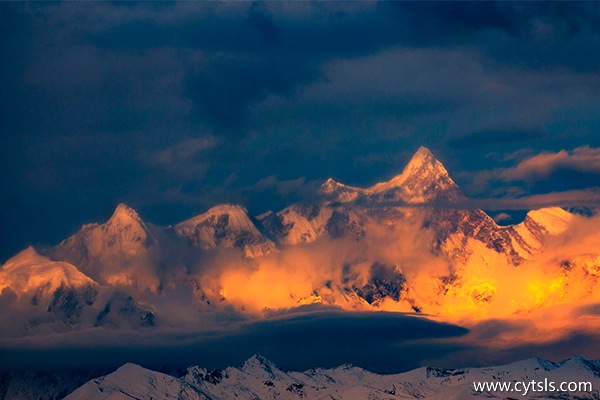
x=176 y=107
x=543 y=165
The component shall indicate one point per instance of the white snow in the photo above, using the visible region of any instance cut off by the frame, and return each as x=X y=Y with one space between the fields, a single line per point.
x=226 y=225
x=301 y=231
x=554 y=220
x=259 y=378
x=29 y=272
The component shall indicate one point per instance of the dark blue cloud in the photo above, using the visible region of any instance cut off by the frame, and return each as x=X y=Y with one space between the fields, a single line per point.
x=248 y=80
x=381 y=342
x=495 y=136
x=288 y=91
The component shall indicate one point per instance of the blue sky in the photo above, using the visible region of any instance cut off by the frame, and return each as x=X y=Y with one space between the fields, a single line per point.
x=175 y=107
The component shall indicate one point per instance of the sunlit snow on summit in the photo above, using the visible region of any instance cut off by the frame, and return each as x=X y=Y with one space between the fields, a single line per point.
x=388 y=247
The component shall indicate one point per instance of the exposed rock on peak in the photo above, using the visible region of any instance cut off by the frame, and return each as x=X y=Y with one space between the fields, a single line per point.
x=344 y=382
x=259 y=364
x=225 y=225
x=124 y=215
x=259 y=367
x=56 y=287
x=126 y=227
x=423 y=180
x=339 y=191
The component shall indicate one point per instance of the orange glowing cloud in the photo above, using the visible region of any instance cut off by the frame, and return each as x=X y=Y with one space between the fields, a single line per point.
x=560 y=277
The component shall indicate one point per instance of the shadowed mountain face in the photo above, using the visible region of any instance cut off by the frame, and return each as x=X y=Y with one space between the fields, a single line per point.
x=259 y=378
x=407 y=244
x=227 y=226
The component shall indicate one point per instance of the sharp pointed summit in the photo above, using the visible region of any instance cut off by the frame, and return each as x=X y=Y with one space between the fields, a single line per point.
x=127 y=261
x=125 y=234
x=124 y=215
x=259 y=366
x=257 y=360
x=423 y=163
x=423 y=180
x=124 y=227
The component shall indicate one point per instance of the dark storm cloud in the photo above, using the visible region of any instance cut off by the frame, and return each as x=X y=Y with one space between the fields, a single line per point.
x=248 y=80
x=107 y=102
x=433 y=21
x=489 y=136
x=381 y=342
x=306 y=338
x=259 y=49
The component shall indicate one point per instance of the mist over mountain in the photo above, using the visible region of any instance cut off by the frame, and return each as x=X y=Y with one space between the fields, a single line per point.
x=226 y=280
x=408 y=244
x=191 y=183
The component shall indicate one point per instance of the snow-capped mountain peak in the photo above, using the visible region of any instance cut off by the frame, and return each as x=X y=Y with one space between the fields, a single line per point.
x=25 y=256
x=553 y=220
x=133 y=381
x=124 y=215
x=125 y=225
x=123 y=230
x=226 y=225
x=29 y=272
x=124 y=235
x=424 y=179
x=331 y=186
x=258 y=366
x=257 y=361
x=339 y=191
x=255 y=381
x=237 y=217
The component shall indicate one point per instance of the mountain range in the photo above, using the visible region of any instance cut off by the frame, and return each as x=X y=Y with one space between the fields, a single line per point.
x=259 y=378
x=407 y=244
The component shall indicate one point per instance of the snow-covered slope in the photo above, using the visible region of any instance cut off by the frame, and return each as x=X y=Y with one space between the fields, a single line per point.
x=452 y=229
x=228 y=226
x=134 y=382
x=124 y=236
x=340 y=192
x=424 y=180
x=343 y=209
x=31 y=273
x=123 y=232
x=49 y=290
x=356 y=248
x=259 y=378
x=346 y=211
x=306 y=223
